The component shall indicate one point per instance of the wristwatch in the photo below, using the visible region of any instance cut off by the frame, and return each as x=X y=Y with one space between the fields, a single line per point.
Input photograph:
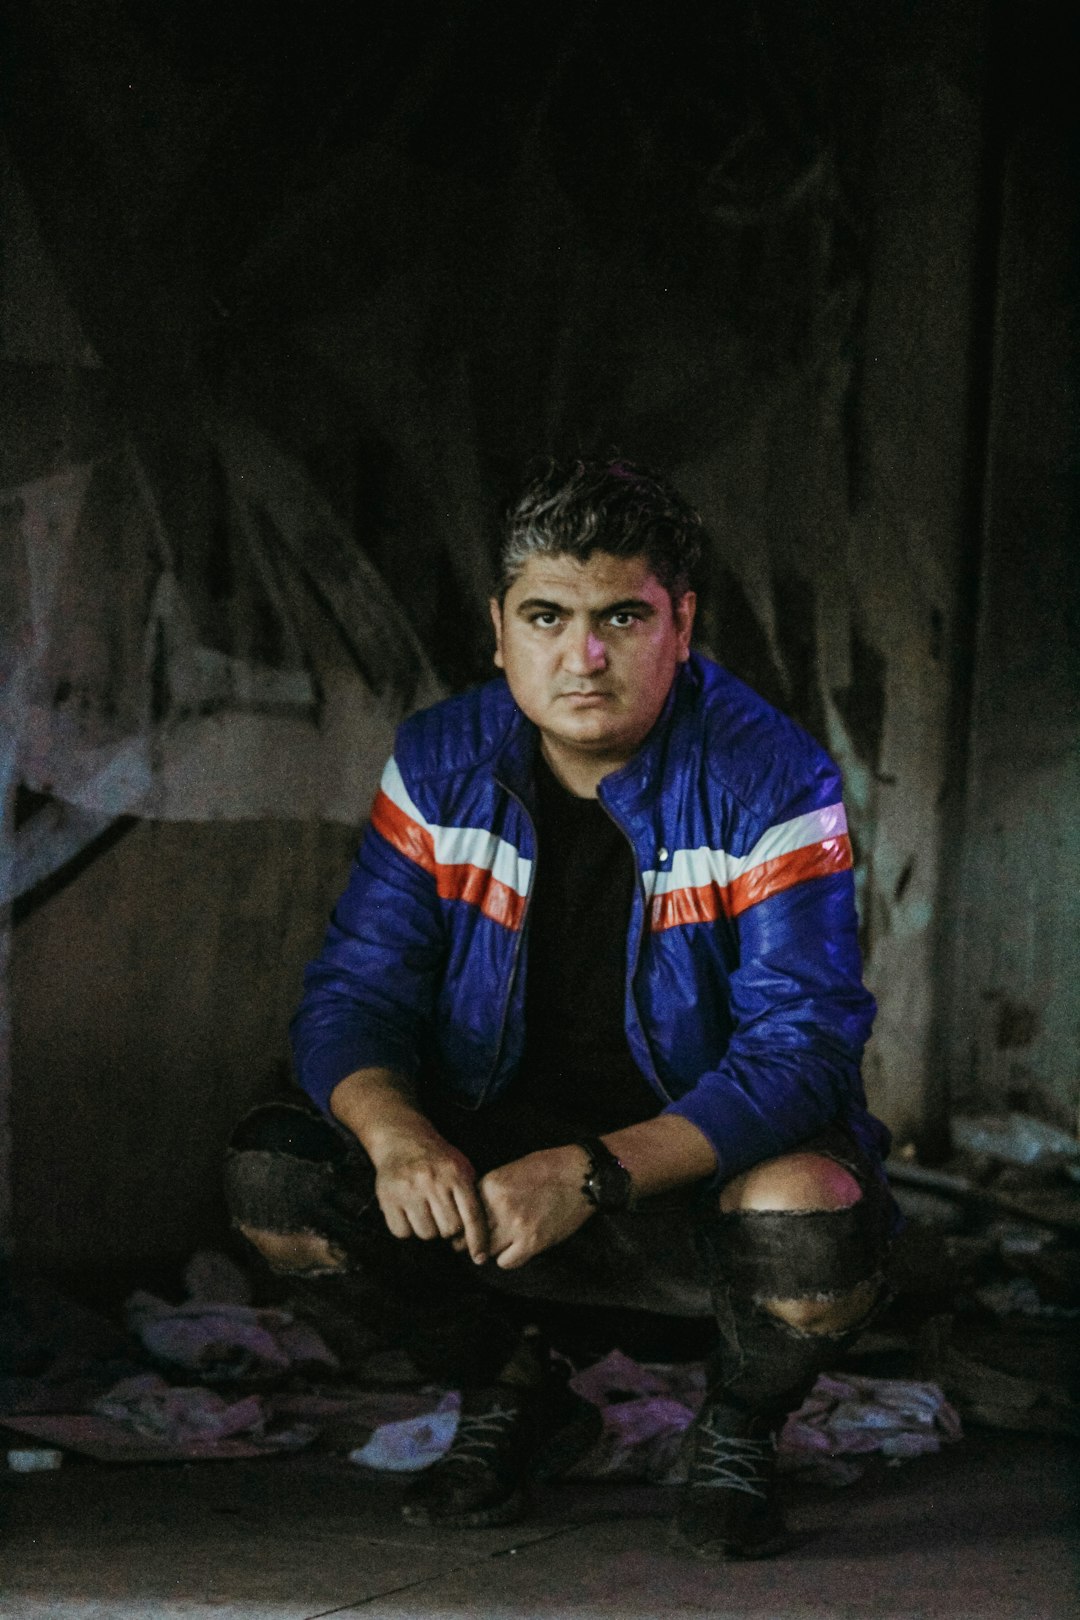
x=607 y=1185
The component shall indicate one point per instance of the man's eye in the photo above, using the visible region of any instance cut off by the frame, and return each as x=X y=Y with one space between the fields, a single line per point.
x=622 y=620
x=544 y=620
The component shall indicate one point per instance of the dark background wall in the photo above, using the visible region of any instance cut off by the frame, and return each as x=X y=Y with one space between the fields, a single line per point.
x=289 y=299
x=1015 y=1014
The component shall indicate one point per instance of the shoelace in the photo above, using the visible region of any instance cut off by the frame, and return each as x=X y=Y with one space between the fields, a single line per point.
x=482 y=1432
x=732 y=1463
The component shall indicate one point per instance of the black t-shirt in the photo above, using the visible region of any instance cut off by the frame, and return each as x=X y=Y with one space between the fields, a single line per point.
x=577 y=1075
x=577 y=1062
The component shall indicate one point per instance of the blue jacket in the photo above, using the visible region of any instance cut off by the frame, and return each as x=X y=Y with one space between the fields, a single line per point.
x=745 y=1007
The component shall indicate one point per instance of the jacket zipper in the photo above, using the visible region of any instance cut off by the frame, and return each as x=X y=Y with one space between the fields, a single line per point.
x=519 y=941
x=632 y=968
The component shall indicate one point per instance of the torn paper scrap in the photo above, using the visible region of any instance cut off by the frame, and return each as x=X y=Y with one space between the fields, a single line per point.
x=145 y=1419
x=847 y=1415
x=414 y=1442
x=223 y=1342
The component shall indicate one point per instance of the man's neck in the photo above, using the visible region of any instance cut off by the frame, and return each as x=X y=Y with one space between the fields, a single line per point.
x=580 y=774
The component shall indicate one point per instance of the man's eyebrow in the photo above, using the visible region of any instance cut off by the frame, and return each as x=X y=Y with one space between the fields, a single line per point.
x=628 y=604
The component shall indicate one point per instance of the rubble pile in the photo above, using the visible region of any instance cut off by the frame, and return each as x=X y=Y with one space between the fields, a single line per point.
x=991 y=1259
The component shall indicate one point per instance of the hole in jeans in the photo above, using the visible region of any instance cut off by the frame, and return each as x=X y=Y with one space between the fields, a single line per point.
x=297 y=1254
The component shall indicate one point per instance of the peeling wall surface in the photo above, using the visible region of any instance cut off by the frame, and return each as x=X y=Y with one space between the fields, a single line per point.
x=1015 y=1026
x=281 y=321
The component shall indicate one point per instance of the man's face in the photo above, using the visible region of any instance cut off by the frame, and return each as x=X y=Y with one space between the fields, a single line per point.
x=590 y=651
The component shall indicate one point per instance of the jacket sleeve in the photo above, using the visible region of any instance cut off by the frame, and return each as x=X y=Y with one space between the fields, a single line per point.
x=368 y=996
x=801 y=1019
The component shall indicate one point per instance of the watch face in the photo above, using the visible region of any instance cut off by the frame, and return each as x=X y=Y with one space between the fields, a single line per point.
x=610 y=1184
x=607 y=1183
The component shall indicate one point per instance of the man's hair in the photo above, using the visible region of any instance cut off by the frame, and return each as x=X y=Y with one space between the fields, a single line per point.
x=572 y=509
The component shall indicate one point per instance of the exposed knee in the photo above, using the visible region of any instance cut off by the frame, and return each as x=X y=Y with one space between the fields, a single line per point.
x=797 y=1181
x=816 y=1270
x=297 y=1254
x=825 y=1315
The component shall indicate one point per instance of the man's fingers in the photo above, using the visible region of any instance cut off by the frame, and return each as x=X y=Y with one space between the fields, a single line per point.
x=409 y=1220
x=474 y=1226
x=423 y=1222
x=420 y=1197
x=397 y=1221
x=447 y=1219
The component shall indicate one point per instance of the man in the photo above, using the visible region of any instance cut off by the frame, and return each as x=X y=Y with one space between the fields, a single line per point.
x=587 y=1024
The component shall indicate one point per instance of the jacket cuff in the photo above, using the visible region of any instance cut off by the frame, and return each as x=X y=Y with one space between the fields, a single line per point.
x=324 y=1069
x=739 y=1123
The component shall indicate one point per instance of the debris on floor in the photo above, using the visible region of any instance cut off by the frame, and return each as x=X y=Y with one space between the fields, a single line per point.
x=227 y=1342
x=1015 y=1139
x=982 y=1331
x=1019 y=1295
x=1009 y=1376
x=1002 y=1246
x=647 y=1410
x=848 y=1416
x=34 y=1459
x=145 y=1419
x=411 y=1443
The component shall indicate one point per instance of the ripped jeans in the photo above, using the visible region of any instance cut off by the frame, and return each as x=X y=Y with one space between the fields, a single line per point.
x=291 y=1173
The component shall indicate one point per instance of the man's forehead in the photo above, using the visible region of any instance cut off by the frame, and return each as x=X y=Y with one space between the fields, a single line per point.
x=602 y=578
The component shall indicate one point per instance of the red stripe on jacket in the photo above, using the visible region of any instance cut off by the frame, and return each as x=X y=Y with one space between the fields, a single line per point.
x=474 y=885
x=711 y=900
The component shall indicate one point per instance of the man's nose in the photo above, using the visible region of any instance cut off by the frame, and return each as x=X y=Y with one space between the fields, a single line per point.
x=584 y=652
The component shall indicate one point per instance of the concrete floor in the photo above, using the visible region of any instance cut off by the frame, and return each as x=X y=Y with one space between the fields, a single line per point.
x=987 y=1530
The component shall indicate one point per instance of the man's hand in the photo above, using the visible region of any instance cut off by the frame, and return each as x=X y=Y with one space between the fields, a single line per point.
x=427 y=1189
x=533 y=1203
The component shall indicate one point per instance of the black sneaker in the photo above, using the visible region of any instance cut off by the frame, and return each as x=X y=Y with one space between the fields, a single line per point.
x=508 y=1437
x=728 y=1507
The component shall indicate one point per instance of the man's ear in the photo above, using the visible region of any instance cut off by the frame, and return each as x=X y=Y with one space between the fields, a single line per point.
x=496 y=619
x=683 y=612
